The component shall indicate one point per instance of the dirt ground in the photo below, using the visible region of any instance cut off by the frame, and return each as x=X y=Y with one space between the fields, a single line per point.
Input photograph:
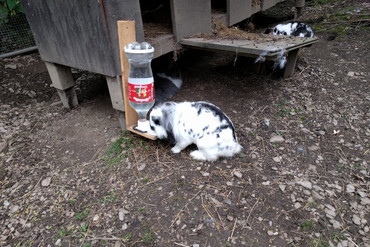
x=73 y=178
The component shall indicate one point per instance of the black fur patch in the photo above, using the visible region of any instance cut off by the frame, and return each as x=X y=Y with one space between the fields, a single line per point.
x=156 y=120
x=217 y=112
x=170 y=137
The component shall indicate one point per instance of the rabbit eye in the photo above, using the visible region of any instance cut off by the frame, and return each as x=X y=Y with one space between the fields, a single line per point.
x=156 y=120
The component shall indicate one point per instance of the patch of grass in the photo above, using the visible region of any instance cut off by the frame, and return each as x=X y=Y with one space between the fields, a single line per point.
x=82 y=215
x=313 y=203
x=128 y=236
x=147 y=236
x=318 y=242
x=338 y=237
x=116 y=153
x=63 y=232
x=343 y=21
x=109 y=198
x=308 y=225
x=320 y=2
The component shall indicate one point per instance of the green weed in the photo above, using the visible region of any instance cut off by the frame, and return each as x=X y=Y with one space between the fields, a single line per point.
x=82 y=215
x=318 y=242
x=63 y=232
x=147 y=236
x=109 y=198
x=116 y=153
x=308 y=225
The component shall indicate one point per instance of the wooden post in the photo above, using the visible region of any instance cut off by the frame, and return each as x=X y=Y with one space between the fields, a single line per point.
x=126 y=35
x=290 y=65
x=299 y=4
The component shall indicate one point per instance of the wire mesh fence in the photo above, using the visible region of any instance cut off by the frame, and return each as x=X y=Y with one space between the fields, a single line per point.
x=15 y=34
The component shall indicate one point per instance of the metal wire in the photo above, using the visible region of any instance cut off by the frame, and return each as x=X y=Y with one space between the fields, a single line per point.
x=15 y=35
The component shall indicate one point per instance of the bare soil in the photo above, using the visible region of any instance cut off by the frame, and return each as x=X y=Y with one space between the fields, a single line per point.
x=72 y=178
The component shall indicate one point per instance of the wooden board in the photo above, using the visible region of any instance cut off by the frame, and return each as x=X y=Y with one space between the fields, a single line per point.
x=253 y=47
x=81 y=34
x=126 y=35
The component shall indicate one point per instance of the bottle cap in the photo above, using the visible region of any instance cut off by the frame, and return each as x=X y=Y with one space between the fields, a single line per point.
x=136 y=47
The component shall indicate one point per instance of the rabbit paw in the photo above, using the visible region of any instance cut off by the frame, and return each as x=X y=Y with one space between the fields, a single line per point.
x=176 y=150
x=198 y=155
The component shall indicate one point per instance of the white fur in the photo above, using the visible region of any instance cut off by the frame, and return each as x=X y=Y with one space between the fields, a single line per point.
x=201 y=123
x=299 y=29
x=287 y=28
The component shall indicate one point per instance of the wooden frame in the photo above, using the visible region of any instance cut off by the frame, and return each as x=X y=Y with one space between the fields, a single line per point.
x=126 y=35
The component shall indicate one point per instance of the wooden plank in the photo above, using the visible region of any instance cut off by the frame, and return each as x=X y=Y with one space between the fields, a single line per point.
x=146 y=135
x=162 y=44
x=126 y=35
x=190 y=17
x=250 y=47
x=81 y=34
x=238 y=10
x=71 y=33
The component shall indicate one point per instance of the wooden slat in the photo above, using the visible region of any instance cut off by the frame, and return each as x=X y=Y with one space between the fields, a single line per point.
x=250 y=47
x=126 y=35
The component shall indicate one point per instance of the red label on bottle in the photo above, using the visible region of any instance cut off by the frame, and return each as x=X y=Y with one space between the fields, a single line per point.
x=141 y=93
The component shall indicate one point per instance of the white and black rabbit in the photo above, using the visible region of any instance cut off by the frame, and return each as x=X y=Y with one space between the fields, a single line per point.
x=201 y=123
x=298 y=29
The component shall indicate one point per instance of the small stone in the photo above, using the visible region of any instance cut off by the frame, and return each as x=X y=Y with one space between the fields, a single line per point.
x=356 y=219
x=229 y=183
x=351 y=74
x=46 y=182
x=305 y=184
x=277 y=139
x=313 y=148
x=27 y=123
x=3 y=145
x=350 y=188
x=365 y=201
x=14 y=209
x=121 y=215
x=282 y=187
x=96 y=217
x=317 y=196
x=266 y=183
x=277 y=159
x=124 y=226
x=10 y=66
x=305 y=131
x=195 y=245
x=141 y=167
x=58 y=242
x=238 y=174
x=336 y=224
x=227 y=201
x=230 y=218
x=297 y=205
x=205 y=174
x=330 y=213
x=362 y=194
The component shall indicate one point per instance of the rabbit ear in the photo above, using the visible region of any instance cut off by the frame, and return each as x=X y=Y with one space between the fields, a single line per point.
x=167 y=121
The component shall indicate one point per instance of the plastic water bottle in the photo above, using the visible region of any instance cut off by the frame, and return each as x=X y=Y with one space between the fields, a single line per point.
x=140 y=81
